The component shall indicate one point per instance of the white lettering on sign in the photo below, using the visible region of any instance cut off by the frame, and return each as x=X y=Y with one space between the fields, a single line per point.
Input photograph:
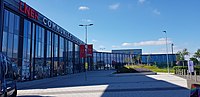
x=58 y=29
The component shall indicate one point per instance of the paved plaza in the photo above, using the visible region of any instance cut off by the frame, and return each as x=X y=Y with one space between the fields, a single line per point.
x=106 y=84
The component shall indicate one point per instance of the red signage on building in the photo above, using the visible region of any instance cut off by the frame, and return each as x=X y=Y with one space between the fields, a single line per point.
x=82 y=51
x=90 y=50
x=30 y=12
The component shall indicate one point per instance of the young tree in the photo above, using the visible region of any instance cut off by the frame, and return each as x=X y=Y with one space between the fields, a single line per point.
x=197 y=54
x=134 y=59
x=185 y=52
x=138 y=58
x=194 y=60
x=148 y=59
x=181 y=55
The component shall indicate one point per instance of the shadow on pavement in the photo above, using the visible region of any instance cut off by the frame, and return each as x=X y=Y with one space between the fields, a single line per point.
x=123 y=85
x=145 y=86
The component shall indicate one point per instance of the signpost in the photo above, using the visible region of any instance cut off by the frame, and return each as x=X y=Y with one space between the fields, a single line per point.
x=190 y=66
x=86 y=51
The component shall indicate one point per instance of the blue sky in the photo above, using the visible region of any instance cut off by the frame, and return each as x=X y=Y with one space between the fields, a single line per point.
x=124 y=24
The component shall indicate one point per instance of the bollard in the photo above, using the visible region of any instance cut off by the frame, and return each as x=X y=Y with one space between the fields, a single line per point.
x=195 y=75
x=175 y=71
x=182 y=72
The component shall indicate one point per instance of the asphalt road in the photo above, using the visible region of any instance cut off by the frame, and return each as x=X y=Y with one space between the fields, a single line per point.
x=106 y=84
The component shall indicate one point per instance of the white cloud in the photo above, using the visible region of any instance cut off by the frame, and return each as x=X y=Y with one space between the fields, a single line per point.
x=155 y=11
x=83 y=8
x=114 y=6
x=114 y=46
x=160 y=41
x=94 y=40
x=141 y=1
x=86 y=20
x=102 y=47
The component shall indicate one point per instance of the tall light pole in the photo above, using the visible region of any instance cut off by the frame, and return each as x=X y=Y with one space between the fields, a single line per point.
x=167 y=51
x=172 y=45
x=86 y=49
x=172 y=48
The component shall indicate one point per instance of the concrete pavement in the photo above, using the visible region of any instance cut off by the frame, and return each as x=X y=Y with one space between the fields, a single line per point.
x=106 y=84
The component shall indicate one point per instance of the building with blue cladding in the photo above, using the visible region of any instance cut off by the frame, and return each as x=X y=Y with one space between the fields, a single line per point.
x=159 y=59
x=129 y=51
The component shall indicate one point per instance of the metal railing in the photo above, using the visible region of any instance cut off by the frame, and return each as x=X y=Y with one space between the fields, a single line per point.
x=187 y=75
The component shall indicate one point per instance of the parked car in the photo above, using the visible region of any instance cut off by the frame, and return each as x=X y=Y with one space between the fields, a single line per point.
x=8 y=77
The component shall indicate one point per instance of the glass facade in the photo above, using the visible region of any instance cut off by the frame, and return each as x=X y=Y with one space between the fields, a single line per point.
x=38 y=51
x=48 y=54
x=26 y=50
x=11 y=36
x=70 y=57
x=104 y=61
x=61 y=57
x=41 y=50
x=77 y=66
x=55 y=55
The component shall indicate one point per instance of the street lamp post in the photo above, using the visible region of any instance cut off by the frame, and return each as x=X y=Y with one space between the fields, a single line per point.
x=86 y=49
x=172 y=48
x=167 y=51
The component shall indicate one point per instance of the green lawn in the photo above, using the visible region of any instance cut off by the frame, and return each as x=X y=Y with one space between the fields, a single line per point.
x=152 y=68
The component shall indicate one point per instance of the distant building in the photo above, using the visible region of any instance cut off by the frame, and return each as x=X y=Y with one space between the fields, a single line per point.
x=158 y=59
x=128 y=51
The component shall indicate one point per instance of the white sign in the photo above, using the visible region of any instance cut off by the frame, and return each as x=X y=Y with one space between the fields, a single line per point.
x=190 y=66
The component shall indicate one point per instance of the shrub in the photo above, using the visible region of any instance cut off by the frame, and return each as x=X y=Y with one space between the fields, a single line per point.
x=126 y=70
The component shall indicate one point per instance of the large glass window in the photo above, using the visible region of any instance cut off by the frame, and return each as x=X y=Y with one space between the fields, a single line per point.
x=61 y=57
x=33 y=51
x=55 y=54
x=77 y=65
x=95 y=60
x=11 y=36
x=39 y=53
x=26 y=50
x=47 y=67
x=99 y=62
x=70 y=57
x=66 y=57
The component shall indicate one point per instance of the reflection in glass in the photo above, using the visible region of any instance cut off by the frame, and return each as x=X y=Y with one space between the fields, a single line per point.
x=77 y=66
x=55 y=53
x=70 y=57
x=39 y=56
x=10 y=36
